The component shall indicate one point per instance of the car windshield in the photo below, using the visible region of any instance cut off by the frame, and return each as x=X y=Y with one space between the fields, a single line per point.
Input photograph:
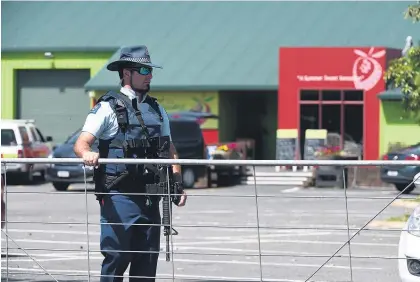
x=72 y=139
x=185 y=130
x=415 y=149
x=8 y=137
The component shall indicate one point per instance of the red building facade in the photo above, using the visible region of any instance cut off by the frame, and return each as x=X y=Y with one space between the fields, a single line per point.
x=342 y=81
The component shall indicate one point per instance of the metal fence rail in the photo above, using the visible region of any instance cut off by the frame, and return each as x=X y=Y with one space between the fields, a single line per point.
x=178 y=256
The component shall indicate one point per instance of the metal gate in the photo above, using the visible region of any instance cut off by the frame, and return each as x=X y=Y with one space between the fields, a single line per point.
x=217 y=256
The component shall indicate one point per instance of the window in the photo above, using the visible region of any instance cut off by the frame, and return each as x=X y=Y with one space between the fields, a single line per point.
x=8 y=137
x=309 y=95
x=35 y=135
x=414 y=149
x=73 y=138
x=353 y=95
x=40 y=135
x=24 y=134
x=185 y=131
x=331 y=95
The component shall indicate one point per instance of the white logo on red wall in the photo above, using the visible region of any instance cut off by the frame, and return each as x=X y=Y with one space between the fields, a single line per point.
x=367 y=71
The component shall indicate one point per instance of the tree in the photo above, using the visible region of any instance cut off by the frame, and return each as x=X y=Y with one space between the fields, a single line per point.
x=413 y=12
x=404 y=72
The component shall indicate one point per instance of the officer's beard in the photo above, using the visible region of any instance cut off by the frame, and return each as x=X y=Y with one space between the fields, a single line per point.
x=141 y=93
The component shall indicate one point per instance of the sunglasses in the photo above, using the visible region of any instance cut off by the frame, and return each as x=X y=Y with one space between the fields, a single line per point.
x=144 y=70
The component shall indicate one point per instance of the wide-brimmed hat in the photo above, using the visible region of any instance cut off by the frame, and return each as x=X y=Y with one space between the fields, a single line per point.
x=132 y=56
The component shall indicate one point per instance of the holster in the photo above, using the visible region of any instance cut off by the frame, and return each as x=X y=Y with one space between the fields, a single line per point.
x=98 y=179
x=105 y=183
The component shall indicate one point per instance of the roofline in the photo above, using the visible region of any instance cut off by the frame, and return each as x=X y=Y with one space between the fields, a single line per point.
x=59 y=49
x=391 y=94
x=390 y=98
x=18 y=49
x=190 y=87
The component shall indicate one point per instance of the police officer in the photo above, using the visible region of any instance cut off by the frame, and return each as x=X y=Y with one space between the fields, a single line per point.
x=125 y=122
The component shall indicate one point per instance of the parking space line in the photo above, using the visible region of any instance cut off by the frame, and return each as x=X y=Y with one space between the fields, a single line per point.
x=247 y=241
x=55 y=231
x=237 y=262
x=200 y=277
x=291 y=190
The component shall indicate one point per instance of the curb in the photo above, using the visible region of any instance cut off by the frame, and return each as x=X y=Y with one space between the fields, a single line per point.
x=405 y=203
x=387 y=224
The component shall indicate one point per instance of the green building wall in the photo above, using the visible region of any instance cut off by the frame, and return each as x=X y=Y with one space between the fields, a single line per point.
x=11 y=62
x=396 y=126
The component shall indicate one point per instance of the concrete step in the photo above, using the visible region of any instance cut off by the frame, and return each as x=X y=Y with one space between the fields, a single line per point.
x=275 y=182
x=284 y=174
x=285 y=178
x=276 y=178
x=269 y=176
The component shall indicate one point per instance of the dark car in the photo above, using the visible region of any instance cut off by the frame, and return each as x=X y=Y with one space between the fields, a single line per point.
x=188 y=140
x=62 y=175
x=187 y=137
x=402 y=176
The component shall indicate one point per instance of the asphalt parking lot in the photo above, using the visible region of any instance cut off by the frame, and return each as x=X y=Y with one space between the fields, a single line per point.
x=218 y=239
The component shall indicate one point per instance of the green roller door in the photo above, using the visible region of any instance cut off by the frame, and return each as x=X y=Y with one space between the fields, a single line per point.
x=56 y=100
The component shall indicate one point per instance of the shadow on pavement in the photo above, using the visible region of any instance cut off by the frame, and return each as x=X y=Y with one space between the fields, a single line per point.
x=15 y=180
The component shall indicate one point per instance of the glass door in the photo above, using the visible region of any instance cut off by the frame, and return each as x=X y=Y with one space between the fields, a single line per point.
x=338 y=111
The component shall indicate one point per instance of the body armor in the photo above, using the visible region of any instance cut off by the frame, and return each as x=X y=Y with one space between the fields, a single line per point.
x=139 y=136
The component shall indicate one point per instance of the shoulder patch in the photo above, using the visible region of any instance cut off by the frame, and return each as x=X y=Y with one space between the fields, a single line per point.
x=95 y=109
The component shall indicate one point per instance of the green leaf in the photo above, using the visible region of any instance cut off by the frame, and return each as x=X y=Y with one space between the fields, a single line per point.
x=417 y=81
x=413 y=12
x=404 y=73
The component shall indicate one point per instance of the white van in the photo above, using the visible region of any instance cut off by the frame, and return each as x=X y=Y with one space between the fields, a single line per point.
x=22 y=139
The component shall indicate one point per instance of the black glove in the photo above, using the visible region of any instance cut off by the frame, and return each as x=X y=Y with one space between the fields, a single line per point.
x=178 y=188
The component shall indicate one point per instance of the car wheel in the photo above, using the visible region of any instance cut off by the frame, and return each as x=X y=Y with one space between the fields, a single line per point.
x=223 y=180
x=42 y=177
x=28 y=177
x=209 y=178
x=188 y=177
x=401 y=187
x=61 y=186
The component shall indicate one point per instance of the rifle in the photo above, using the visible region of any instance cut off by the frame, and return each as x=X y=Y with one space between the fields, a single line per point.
x=172 y=194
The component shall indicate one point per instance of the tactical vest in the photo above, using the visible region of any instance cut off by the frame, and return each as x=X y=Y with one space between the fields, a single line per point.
x=139 y=136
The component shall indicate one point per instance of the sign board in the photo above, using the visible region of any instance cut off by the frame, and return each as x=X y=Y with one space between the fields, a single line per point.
x=314 y=139
x=195 y=102
x=286 y=144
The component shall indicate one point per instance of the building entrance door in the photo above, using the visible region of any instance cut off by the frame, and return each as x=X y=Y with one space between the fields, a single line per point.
x=337 y=111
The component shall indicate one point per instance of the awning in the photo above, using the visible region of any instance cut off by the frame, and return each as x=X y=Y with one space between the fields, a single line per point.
x=391 y=94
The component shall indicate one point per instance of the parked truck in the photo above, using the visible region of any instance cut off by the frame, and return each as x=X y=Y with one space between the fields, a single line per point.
x=241 y=149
